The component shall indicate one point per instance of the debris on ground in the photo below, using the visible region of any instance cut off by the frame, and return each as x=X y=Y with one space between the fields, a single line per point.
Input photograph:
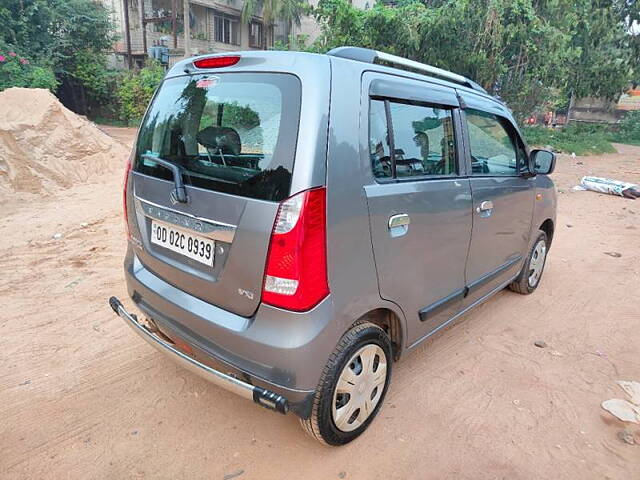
x=613 y=254
x=235 y=474
x=612 y=187
x=540 y=344
x=622 y=409
x=45 y=146
x=626 y=436
x=632 y=389
x=627 y=411
x=74 y=283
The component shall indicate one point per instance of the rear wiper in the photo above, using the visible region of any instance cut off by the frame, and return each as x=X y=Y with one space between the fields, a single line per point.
x=180 y=191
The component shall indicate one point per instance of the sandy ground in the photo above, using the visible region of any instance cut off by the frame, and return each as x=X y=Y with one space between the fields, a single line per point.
x=82 y=397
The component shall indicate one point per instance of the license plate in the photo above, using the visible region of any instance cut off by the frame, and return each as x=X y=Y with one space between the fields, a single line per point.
x=195 y=247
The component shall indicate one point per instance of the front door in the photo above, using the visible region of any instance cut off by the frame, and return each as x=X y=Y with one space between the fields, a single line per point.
x=503 y=199
x=419 y=201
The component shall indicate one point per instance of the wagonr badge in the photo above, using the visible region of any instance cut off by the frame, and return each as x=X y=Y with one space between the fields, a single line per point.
x=305 y=220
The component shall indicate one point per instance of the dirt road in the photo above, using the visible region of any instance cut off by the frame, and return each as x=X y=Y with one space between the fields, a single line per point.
x=82 y=397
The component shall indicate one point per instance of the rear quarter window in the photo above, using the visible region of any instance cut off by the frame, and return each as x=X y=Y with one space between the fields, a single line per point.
x=234 y=133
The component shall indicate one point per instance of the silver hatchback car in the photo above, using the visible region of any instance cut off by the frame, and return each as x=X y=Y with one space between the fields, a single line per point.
x=297 y=222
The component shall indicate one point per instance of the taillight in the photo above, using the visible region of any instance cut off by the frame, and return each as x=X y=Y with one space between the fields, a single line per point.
x=217 y=62
x=296 y=270
x=124 y=198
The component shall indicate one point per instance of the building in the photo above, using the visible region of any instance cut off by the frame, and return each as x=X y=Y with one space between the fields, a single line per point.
x=215 y=26
x=599 y=110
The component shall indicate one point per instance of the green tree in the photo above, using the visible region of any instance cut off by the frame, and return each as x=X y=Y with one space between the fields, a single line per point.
x=604 y=66
x=289 y=11
x=70 y=36
x=25 y=25
x=630 y=13
x=529 y=52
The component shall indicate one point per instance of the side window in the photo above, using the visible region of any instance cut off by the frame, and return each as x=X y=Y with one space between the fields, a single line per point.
x=423 y=139
x=493 y=151
x=379 y=140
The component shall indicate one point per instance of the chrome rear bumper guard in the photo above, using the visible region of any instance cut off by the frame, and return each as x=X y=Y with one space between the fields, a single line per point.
x=263 y=397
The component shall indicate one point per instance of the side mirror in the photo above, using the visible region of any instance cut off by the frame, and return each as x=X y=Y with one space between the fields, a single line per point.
x=543 y=161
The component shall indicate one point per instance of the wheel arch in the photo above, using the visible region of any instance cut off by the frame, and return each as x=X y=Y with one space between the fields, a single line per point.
x=548 y=227
x=390 y=322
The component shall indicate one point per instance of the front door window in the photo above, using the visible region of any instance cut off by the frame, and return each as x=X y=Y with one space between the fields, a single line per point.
x=493 y=151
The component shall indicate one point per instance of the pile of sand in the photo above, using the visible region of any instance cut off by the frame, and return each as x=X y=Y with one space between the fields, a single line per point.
x=44 y=146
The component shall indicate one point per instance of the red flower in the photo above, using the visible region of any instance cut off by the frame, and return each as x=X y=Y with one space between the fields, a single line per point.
x=12 y=54
x=2 y=58
x=24 y=61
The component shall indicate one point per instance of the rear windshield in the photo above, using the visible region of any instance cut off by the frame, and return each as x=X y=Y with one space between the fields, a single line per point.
x=232 y=132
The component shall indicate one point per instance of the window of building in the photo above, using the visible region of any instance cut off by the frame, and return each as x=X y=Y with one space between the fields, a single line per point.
x=493 y=151
x=255 y=34
x=227 y=30
x=198 y=22
x=422 y=136
x=160 y=9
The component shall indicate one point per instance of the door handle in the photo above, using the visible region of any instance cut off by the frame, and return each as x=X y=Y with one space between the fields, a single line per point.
x=400 y=220
x=485 y=206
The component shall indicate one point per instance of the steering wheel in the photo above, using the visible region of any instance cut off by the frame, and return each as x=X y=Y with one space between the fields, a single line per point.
x=479 y=166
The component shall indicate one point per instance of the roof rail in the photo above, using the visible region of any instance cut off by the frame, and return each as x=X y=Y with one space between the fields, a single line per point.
x=367 y=55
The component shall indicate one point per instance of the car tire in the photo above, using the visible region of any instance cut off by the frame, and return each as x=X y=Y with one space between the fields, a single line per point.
x=531 y=273
x=338 y=417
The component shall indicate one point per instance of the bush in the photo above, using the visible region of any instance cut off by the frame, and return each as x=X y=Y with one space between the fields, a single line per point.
x=18 y=71
x=91 y=73
x=628 y=129
x=136 y=89
x=587 y=138
x=581 y=139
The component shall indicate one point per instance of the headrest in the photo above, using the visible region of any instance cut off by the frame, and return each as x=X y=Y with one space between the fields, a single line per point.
x=220 y=138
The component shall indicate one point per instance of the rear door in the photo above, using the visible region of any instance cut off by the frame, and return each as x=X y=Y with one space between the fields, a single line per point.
x=233 y=138
x=503 y=198
x=419 y=199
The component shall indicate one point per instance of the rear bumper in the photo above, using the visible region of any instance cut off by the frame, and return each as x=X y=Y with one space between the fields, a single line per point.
x=259 y=395
x=280 y=351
